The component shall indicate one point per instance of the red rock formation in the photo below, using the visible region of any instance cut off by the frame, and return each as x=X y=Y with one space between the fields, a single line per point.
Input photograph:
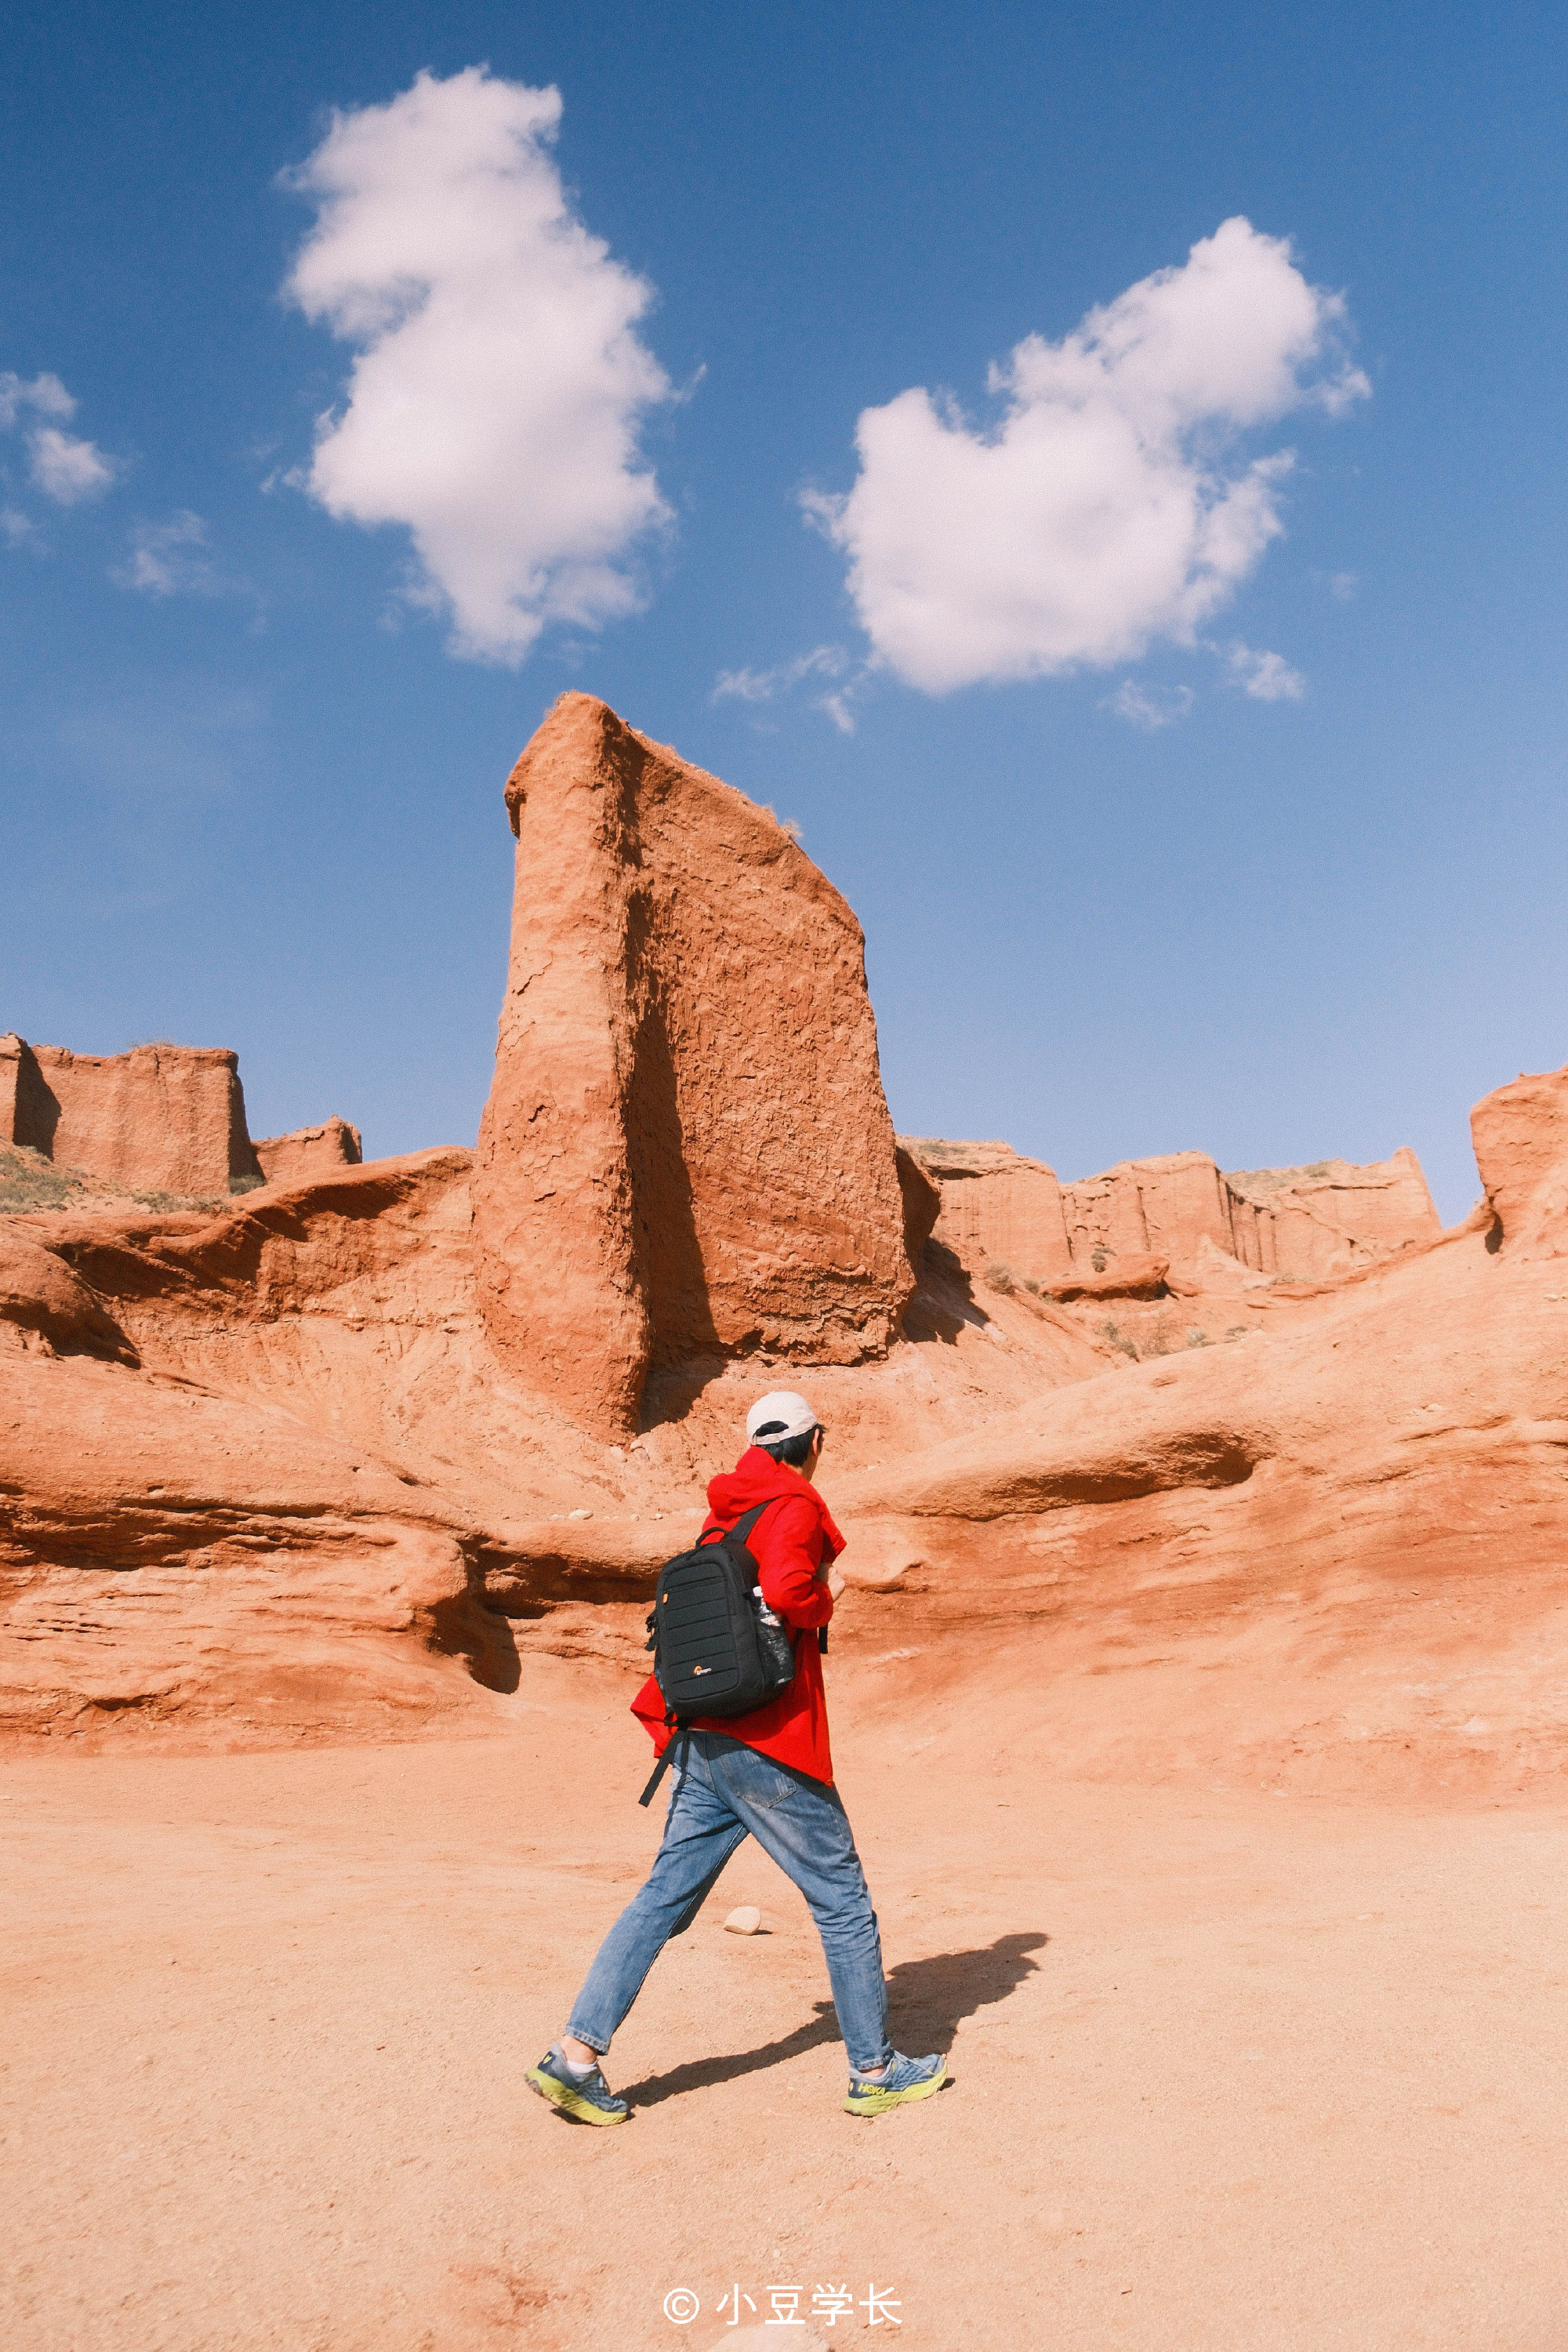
x=1147 y=1207
x=280 y=1462
x=685 y=1152
x=166 y=1119
x=1329 y=1552
x=1310 y=1224
x=1520 y=1135
x=237 y=1446
x=260 y=1467
x=996 y=1205
x=308 y=1152
x=922 y=1204
x=1125 y=1277
x=39 y=1293
x=1101 y=1237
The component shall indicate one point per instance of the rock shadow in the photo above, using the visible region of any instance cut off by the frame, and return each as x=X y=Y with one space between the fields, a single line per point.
x=942 y=1308
x=670 y=1394
x=945 y=1300
x=927 y=1999
x=673 y=1278
x=37 y=1106
x=463 y=1626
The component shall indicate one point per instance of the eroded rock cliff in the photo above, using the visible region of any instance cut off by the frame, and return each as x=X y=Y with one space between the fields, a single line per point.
x=1520 y=1135
x=687 y=1152
x=1178 y=1213
x=308 y=1152
x=167 y=1119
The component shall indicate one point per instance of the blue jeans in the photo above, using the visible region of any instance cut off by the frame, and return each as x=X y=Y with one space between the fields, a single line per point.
x=724 y=1794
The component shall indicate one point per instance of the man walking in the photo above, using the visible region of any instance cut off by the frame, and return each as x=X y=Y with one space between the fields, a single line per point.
x=767 y=1775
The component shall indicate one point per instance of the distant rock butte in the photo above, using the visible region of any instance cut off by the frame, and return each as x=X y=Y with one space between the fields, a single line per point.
x=1209 y=1229
x=167 y=1119
x=1520 y=1135
x=160 y=1119
x=996 y=1205
x=308 y=1152
x=687 y=1151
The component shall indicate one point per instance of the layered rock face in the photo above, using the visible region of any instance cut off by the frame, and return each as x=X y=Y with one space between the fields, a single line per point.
x=996 y=1205
x=1310 y=1224
x=167 y=1119
x=1165 y=1208
x=1177 y=1214
x=308 y=1152
x=687 y=1151
x=1520 y=1135
x=1330 y=1550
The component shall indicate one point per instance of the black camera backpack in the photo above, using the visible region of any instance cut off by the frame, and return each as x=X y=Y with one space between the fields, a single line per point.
x=716 y=1650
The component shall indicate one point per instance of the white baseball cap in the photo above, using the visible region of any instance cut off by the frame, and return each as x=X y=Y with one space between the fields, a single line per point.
x=780 y=1414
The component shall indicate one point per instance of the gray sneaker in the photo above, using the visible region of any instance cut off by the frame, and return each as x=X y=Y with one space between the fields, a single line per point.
x=900 y=2080
x=588 y=2096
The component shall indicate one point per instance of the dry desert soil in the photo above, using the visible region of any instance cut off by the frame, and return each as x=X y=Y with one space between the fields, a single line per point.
x=1232 y=2067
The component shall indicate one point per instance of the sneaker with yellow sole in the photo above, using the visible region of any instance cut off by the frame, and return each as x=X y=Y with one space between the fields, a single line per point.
x=900 y=2081
x=588 y=2098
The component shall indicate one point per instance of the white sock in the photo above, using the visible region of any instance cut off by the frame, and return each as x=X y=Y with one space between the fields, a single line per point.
x=582 y=2072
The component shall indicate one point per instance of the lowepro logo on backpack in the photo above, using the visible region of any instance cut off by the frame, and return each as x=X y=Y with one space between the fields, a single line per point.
x=717 y=1652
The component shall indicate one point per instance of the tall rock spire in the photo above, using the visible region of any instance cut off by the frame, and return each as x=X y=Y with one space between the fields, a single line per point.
x=687 y=1151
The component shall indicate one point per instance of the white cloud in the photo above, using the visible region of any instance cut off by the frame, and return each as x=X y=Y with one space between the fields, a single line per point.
x=1267 y=677
x=1150 y=707
x=45 y=395
x=170 y=559
x=821 y=662
x=1109 y=507
x=19 y=530
x=1342 y=584
x=764 y=685
x=65 y=469
x=495 y=403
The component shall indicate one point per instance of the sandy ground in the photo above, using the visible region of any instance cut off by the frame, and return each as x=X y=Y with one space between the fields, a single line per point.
x=1231 y=2069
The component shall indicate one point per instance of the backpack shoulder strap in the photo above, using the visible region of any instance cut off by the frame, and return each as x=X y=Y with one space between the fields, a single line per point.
x=664 y=1761
x=744 y=1524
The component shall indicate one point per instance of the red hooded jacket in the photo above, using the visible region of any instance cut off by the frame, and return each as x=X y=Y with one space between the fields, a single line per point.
x=790 y=1542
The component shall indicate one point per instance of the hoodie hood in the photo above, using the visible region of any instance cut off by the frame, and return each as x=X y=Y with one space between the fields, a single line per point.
x=757 y=1478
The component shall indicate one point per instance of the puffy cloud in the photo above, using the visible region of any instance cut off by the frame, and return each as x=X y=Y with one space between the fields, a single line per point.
x=1109 y=508
x=65 y=469
x=495 y=403
x=1267 y=677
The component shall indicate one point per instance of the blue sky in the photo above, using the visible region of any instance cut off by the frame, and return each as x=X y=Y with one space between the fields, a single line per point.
x=251 y=793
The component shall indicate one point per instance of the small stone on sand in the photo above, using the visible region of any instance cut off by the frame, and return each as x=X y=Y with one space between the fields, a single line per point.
x=745 y=1921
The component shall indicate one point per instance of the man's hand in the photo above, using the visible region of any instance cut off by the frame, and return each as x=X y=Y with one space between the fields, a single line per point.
x=835 y=1584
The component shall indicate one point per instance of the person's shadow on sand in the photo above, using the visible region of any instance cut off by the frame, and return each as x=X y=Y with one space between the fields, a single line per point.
x=926 y=1999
